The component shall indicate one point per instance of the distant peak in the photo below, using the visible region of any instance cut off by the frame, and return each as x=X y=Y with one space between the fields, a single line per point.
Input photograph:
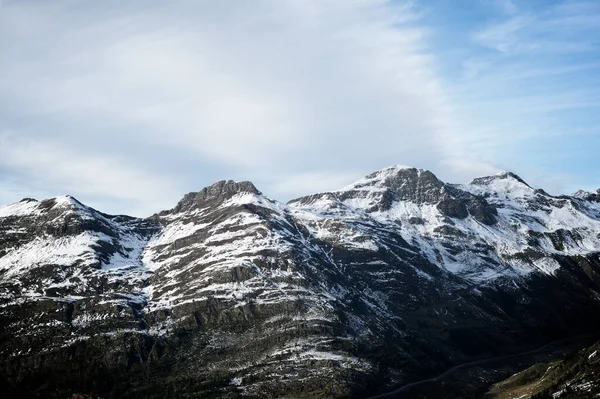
x=588 y=195
x=390 y=175
x=397 y=183
x=511 y=175
x=64 y=200
x=67 y=202
x=394 y=169
x=30 y=206
x=582 y=194
x=220 y=191
x=504 y=175
x=397 y=168
x=228 y=187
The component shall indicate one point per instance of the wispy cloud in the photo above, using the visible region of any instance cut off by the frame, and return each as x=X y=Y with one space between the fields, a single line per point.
x=41 y=164
x=553 y=28
x=531 y=83
x=296 y=96
x=308 y=87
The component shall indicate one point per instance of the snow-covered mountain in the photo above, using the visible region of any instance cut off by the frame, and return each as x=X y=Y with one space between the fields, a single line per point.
x=334 y=294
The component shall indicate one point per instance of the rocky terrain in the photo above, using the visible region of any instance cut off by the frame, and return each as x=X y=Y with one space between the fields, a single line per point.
x=577 y=376
x=343 y=294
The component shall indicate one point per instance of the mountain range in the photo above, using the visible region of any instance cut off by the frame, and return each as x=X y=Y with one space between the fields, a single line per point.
x=350 y=293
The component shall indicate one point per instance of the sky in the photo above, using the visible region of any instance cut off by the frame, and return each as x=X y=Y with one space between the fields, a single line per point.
x=128 y=105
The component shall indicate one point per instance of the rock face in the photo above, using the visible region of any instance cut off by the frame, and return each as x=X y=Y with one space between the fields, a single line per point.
x=346 y=293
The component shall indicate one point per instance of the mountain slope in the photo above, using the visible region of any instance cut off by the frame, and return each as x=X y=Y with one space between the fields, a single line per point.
x=575 y=376
x=335 y=294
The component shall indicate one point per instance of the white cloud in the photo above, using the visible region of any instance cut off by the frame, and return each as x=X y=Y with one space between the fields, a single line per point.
x=296 y=96
x=97 y=178
x=560 y=28
x=315 y=182
x=506 y=35
x=245 y=88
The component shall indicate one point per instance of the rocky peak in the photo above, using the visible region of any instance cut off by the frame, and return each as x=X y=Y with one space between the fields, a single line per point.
x=504 y=176
x=503 y=184
x=421 y=187
x=314 y=200
x=48 y=208
x=63 y=203
x=416 y=185
x=400 y=183
x=588 y=195
x=216 y=193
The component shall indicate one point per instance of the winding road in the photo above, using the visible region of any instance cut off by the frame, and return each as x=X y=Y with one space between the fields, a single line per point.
x=406 y=387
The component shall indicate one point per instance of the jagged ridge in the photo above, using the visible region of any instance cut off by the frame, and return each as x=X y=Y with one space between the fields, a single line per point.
x=361 y=282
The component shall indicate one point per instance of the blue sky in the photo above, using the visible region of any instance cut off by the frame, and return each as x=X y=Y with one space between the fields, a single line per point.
x=524 y=75
x=128 y=106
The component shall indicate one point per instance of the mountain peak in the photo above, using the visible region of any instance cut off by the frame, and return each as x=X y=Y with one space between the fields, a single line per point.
x=225 y=189
x=588 y=195
x=508 y=177
x=511 y=175
x=63 y=202
x=394 y=170
x=66 y=200
x=390 y=176
x=397 y=183
x=218 y=192
x=31 y=206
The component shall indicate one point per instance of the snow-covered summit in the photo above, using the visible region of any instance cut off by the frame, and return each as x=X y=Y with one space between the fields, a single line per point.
x=27 y=206
x=588 y=195
x=500 y=176
x=392 y=177
x=379 y=191
x=583 y=194
x=379 y=177
x=32 y=207
x=447 y=221
x=507 y=184
x=63 y=232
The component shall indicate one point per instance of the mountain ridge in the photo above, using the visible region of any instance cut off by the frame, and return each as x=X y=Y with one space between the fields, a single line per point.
x=345 y=293
x=228 y=184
